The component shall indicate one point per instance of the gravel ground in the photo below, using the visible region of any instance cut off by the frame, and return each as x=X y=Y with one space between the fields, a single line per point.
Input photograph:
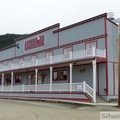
x=31 y=110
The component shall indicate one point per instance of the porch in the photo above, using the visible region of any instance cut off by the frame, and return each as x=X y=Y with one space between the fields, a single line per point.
x=79 y=91
x=71 y=87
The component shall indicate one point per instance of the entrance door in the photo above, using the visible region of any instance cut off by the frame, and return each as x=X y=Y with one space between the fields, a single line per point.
x=33 y=79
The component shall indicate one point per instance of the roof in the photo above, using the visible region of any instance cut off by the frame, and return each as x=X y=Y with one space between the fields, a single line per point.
x=37 y=32
x=81 y=22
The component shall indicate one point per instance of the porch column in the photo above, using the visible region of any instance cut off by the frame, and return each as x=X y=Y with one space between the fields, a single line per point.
x=2 y=81
x=70 y=76
x=51 y=77
x=11 y=80
x=94 y=80
x=36 y=78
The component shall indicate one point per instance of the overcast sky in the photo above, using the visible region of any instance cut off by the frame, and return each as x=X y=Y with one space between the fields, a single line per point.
x=27 y=16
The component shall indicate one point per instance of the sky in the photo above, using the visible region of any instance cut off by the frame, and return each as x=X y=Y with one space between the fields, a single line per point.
x=27 y=16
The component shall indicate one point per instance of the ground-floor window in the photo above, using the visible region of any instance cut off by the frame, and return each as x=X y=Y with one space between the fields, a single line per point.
x=60 y=75
x=8 y=79
x=18 y=79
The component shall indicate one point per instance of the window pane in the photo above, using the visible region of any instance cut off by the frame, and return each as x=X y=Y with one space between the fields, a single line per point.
x=60 y=75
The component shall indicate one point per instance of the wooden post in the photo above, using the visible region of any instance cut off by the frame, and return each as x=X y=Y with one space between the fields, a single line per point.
x=118 y=64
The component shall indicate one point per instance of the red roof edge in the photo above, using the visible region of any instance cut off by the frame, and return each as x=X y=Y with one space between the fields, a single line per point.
x=37 y=32
x=81 y=22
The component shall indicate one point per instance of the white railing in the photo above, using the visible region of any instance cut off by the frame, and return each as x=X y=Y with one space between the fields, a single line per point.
x=82 y=54
x=87 y=89
x=61 y=87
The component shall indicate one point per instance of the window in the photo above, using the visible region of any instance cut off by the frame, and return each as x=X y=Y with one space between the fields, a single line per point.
x=21 y=61
x=18 y=79
x=8 y=79
x=33 y=59
x=89 y=47
x=67 y=52
x=48 y=54
x=60 y=75
x=10 y=64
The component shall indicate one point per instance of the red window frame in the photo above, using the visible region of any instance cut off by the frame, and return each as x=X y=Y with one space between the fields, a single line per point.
x=60 y=76
x=18 y=79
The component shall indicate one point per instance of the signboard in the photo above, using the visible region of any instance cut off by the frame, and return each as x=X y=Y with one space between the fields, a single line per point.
x=34 y=43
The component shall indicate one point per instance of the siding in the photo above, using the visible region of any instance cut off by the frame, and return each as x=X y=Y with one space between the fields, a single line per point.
x=112 y=42
x=88 y=30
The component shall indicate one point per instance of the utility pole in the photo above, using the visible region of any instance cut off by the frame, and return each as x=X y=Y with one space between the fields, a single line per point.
x=118 y=21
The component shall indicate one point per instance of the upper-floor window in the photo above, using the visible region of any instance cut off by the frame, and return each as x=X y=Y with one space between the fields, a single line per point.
x=66 y=52
x=89 y=47
x=33 y=59
x=10 y=64
x=21 y=60
x=48 y=54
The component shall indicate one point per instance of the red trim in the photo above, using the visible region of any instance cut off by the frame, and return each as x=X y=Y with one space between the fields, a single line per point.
x=37 y=32
x=45 y=99
x=87 y=99
x=112 y=22
x=106 y=45
x=82 y=22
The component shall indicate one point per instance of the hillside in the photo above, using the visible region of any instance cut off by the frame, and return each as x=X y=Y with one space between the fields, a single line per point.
x=8 y=39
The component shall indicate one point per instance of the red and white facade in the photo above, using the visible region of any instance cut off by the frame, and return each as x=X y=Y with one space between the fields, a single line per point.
x=74 y=62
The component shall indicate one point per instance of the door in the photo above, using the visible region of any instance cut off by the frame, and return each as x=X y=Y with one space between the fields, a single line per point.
x=89 y=47
x=48 y=54
x=67 y=53
x=33 y=79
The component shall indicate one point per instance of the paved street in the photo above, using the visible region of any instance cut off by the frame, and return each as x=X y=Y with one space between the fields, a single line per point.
x=24 y=110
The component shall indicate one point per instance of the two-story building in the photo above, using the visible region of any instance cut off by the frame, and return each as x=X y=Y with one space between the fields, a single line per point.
x=74 y=62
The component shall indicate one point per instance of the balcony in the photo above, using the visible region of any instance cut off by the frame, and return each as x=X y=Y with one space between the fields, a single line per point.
x=76 y=55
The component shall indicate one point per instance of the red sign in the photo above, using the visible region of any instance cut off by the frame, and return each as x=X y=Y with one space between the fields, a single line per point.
x=35 y=43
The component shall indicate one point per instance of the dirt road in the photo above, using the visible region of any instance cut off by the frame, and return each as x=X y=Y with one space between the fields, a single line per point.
x=24 y=110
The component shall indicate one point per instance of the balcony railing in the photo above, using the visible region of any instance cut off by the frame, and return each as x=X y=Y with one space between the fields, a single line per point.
x=82 y=54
